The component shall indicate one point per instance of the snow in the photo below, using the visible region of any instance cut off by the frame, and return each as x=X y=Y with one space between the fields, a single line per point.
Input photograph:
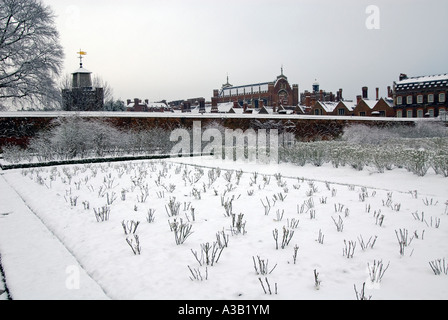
x=81 y=70
x=328 y=106
x=439 y=77
x=45 y=240
x=370 y=103
x=35 y=261
x=350 y=105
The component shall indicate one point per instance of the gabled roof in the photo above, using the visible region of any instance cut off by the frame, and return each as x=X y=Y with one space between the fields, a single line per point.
x=328 y=106
x=389 y=101
x=370 y=103
x=350 y=105
x=265 y=110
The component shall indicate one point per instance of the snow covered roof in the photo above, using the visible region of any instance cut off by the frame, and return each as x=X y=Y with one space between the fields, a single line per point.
x=265 y=110
x=350 y=105
x=328 y=106
x=246 y=89
x=370 y=103
x=440 y=80
x=157 y=105
x=225 y=107
x=149 y=105
x=389 y=101
x=82 y=70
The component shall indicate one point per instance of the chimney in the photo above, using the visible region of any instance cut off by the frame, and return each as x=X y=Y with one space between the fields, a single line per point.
x=389 y=92
x=128 y=101
x=377 y=94
x=365 y=93
x=235 y=104
x=340 y=95
x=260 y=103
x=147 y=101
x=358 y=99
x=403 y=76
x=214 y=101
x=321 y=94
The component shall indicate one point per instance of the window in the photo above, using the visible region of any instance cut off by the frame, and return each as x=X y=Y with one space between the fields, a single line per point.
x=420 y=98
x=409 y=114
x=399 y=100
x=431 y=98
x=409 y=99
x=341 y=112
x=419 y=113
x=431 y=113
x=442 y=114
x=362 y=114
x=442 y=97
x=399 y=114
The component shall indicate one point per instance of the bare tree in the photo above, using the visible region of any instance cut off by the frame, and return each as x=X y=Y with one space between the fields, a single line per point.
x=108 y=92
x=30 y=54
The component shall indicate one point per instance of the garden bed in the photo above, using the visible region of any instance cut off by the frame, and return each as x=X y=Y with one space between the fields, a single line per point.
x=202 y=228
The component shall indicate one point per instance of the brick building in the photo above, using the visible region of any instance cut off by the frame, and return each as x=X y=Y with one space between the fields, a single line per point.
x=273 y=93
x=378 y=107
x=308 y=99
x=418 y=97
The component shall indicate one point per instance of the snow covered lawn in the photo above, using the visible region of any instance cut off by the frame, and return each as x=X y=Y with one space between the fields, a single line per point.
x=339 y=224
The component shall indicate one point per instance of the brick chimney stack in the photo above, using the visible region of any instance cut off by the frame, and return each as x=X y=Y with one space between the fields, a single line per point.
x=365 y=93
x=377 y=94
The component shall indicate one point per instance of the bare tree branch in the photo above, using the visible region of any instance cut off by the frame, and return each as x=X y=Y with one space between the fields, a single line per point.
x=30 y=54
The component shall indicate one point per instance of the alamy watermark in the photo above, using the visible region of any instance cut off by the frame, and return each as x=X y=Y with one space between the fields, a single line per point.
x=251 y=145
x=373 y=21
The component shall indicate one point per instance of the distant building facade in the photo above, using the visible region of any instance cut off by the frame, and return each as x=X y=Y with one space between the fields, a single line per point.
x=418 y=97
x=273 y=93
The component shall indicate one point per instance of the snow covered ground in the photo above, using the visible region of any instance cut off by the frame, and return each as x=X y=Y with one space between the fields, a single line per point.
x=54 y=247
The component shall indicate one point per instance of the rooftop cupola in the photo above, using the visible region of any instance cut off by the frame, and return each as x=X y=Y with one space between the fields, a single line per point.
x=82 y=77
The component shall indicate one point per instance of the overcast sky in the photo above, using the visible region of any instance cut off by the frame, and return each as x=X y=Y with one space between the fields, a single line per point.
x=179 y=49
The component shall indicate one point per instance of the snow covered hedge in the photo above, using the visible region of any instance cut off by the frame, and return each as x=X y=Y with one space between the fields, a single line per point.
x=416 y=149
x=78 y=138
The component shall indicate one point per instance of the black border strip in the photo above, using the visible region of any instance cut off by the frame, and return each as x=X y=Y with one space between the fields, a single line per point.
x=96 y=160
